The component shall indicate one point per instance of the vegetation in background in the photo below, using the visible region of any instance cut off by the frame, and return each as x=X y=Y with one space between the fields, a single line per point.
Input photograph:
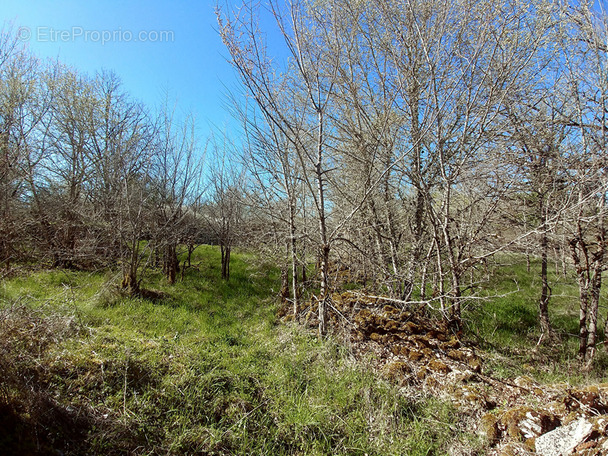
x=448 y=155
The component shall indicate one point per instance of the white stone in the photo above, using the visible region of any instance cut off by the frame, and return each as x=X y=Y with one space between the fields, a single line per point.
x=530 y=426
x=563 y=440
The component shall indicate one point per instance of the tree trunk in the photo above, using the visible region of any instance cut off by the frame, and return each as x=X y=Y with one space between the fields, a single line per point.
x=171 y=263
x=583 y=286
x=191 y=249
x=596 y=287
x=294 y=255
x=545 y=294
x=285 y=287
x=324 y=289
x=130 y=284
x=225 y=261
x=325 y=248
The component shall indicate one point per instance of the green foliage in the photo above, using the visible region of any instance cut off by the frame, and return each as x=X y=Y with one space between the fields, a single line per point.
x=200 y=367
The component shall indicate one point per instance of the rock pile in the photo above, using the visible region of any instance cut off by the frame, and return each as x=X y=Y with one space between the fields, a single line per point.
x=561 y=421
x=514 y=417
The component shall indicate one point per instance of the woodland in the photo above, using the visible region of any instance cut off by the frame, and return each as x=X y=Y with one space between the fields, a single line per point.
x=403 y=167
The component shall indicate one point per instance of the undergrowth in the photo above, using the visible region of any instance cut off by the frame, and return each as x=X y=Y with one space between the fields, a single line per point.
x=205 y=369
x=505 y=324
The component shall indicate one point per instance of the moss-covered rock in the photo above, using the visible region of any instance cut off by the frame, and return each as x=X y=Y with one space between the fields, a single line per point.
x=438 y=366
x=397 y=370
x=488 y=428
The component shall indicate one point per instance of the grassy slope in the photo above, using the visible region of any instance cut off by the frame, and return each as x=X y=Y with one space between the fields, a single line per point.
x=205 y=370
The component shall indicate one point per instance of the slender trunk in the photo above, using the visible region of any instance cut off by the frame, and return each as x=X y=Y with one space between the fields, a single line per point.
x=596 y=284
x=285 y=287
x=596 y=287
x=417 y=251
x=397 y=286
x=325 y=247
x=130 y=282
x=324 y=289
x=583 y=286
x=294 y=255
x=439 y=280
x=455 y=269
x=191 y=248
x=225 y=250
x=425 y=266
x=545 y=294
x=171 y=263
x=223 y=253
x=228 y=263
x=456 y=317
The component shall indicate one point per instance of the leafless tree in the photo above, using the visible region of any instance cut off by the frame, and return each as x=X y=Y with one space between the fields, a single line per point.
x=586 y=57
x=22 y=105
x=223 y=209
x=176 y=172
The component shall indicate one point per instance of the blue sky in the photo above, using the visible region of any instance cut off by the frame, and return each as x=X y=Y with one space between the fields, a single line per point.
x=180 y=52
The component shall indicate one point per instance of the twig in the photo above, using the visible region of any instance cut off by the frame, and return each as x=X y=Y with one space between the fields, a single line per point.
x=341 y=314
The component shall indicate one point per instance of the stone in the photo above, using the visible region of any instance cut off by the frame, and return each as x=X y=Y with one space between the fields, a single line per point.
x=488 y=428
x=588 y=398
x=537 y=422
x=586 y=445
x=431 y=383
x=422 y=373
x=391 y=311
x=415 y=355
x=438 y=366
x=474 y=363
x=397 y=369
x=524 y=382
x=514 y=449
x=511 y=419
x=453 y=343
x=457 y=355
x=411 y=328
x=564 y=440
x=427 y=352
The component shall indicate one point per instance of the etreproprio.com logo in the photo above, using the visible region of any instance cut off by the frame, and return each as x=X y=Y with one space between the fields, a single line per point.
x=52 y=35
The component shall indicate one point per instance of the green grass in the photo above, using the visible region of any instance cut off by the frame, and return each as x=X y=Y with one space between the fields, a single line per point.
x=207 y=369
x=506 y=324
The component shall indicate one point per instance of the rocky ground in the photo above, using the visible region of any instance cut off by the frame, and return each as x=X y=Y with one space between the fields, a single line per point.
x=514 y=417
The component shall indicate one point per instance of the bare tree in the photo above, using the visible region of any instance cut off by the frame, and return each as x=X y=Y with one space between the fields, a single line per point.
x=586 y=54
x=223 y=210
x=276 y=173
x=22 y=105
x=123 y=153
x=311 y=82
x=177 y=173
